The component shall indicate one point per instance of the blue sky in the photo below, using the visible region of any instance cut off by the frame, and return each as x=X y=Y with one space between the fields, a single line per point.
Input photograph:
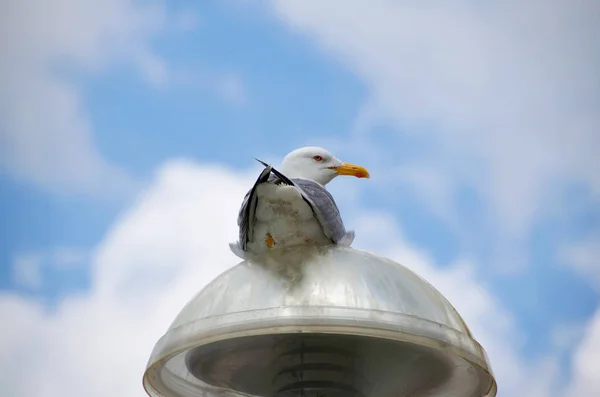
x=480 y=131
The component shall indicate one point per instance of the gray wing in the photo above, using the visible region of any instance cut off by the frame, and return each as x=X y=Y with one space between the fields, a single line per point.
x=246 y=216
x=324 y=208
x=316 y=196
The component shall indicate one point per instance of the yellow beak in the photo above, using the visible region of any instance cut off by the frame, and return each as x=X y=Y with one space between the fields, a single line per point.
x=352 y=170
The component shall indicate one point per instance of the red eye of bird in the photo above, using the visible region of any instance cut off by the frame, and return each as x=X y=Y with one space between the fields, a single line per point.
x=318 y=158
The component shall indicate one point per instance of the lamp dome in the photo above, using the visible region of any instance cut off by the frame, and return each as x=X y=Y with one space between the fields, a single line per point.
x=342 y=322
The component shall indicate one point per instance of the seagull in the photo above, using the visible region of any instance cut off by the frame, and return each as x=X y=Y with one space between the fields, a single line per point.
x=291 y=207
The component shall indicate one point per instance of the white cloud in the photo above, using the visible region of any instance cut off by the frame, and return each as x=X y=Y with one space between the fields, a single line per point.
x=491 y=324
x=158 y=254
x=586 y=365
x=27 y=267
x=168 y=245
x=45 y=135
x=26 y=270
x=506 y=92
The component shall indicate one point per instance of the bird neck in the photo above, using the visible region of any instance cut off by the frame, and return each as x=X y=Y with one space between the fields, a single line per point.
x=320 y=176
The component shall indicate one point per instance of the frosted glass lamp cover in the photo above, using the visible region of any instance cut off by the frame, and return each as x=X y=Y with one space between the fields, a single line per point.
x=343 y=323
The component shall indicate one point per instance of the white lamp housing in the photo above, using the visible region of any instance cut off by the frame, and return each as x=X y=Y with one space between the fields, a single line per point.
x=340 y=322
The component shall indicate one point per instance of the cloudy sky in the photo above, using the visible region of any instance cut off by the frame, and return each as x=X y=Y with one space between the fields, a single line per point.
x=127 y=136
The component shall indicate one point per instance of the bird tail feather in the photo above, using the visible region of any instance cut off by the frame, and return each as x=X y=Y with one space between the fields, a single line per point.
x=237 y=250
x=347 y=239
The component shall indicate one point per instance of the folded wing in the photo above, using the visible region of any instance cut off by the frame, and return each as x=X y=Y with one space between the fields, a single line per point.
x=315 y=195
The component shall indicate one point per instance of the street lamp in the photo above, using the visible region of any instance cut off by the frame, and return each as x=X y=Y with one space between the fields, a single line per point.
x=339 y=322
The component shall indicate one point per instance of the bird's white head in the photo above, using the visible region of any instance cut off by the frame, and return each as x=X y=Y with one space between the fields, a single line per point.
x=319 y=165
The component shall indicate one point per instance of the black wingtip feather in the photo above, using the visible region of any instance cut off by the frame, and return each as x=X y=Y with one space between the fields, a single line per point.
x=278 y=174
x=262 y=162
x=282 y=177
